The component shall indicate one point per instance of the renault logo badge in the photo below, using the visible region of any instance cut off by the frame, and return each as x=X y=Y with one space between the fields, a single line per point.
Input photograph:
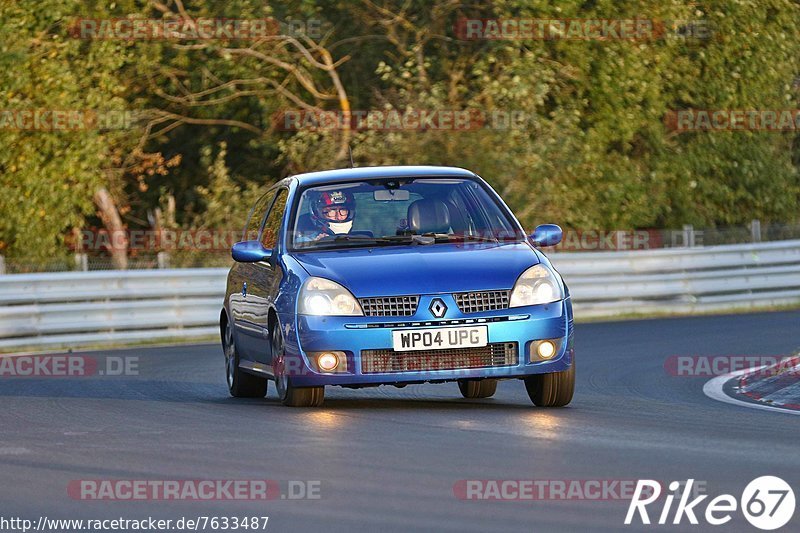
x=437 y=308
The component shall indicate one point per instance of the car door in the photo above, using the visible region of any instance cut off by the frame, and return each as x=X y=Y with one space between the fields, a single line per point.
x=266 y=276
x=243 y=309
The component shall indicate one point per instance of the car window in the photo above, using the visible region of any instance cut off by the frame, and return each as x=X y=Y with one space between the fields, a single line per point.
x=388 y=212
x=272 y=225
x=381 y=218
x=457 y=200
x=488 y=217
x=256 y=216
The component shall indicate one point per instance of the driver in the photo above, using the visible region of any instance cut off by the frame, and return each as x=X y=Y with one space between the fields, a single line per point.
x=331 y=214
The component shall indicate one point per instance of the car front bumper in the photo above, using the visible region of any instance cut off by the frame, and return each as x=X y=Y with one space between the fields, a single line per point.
x=521 y=326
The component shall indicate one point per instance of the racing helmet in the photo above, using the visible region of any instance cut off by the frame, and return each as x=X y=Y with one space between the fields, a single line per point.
x=321 y=204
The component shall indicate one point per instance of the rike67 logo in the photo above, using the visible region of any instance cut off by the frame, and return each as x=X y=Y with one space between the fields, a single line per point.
x=767 y=503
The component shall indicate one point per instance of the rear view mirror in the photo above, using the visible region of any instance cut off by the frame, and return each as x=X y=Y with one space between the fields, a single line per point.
x=388 y=195
x=547 y=235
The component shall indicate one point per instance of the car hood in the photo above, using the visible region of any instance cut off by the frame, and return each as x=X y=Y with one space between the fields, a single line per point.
x=421 y=269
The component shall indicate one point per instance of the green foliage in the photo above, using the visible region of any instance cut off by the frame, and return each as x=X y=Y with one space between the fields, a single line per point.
x=225 y=203
x=592 y=152
x=47 y=178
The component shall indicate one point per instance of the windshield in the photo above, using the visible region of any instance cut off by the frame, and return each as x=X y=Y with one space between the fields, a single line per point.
x=386 y=212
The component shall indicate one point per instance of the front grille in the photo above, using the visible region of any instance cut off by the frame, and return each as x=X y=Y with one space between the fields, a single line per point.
x=383 y=361
x=390 y=306
x=480 y=301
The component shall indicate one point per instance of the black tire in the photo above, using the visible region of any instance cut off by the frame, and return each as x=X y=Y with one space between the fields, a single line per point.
x=477 y=388
x=289 y=394
x=552 y=390
x=240 y=383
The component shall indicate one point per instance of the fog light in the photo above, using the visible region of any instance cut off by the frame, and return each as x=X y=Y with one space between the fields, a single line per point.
x=327 y=361
x=546 y=349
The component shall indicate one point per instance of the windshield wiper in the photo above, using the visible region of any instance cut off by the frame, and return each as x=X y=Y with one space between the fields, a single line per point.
x=479 y=238
x=432 y=238
x=461 y=237
x=331 y=241
x=347 y=238
x=367 y=240
x=411 y=238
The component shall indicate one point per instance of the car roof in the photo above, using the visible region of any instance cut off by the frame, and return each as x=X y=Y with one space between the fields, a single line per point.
x=399 y=171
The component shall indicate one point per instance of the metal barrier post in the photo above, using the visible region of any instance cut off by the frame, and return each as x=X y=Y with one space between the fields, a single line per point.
x=755 y=230
x=688 y=236
x=163 y=260
x=82 y=262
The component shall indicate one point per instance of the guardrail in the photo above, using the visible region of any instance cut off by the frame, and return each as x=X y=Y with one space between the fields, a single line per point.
x=81 y=308
x=683 y=280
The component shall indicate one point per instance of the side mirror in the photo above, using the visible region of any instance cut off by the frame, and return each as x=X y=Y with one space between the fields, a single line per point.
x=547 y=235
x=250 y=252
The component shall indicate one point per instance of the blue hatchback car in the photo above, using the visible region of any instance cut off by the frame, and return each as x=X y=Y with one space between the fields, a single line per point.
x=394 y=275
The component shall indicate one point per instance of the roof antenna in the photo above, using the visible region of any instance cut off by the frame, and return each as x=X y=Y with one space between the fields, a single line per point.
x=350 y=150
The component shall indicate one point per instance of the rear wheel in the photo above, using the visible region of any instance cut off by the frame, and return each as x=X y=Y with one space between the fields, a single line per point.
x=552 y=390
x=288 y=393
x=240 y=383
x=477 y=388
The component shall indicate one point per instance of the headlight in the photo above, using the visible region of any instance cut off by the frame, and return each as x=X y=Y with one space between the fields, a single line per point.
x=537 y=285
x=323 y=297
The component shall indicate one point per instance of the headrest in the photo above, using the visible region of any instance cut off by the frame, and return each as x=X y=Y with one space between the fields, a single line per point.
x=428 y=216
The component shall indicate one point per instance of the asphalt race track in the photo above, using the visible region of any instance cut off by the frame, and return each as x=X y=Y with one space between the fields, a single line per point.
x=387 y=459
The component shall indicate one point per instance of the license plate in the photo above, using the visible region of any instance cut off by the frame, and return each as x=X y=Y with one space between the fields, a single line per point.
x=405 y=340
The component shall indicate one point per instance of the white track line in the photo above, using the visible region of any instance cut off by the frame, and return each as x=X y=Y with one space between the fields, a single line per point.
x=713 y=389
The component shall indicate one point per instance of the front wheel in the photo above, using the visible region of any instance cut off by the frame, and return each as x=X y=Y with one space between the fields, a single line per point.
x=288 y=393
x=240 y=383
x=552 y=390
x=477 y=388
